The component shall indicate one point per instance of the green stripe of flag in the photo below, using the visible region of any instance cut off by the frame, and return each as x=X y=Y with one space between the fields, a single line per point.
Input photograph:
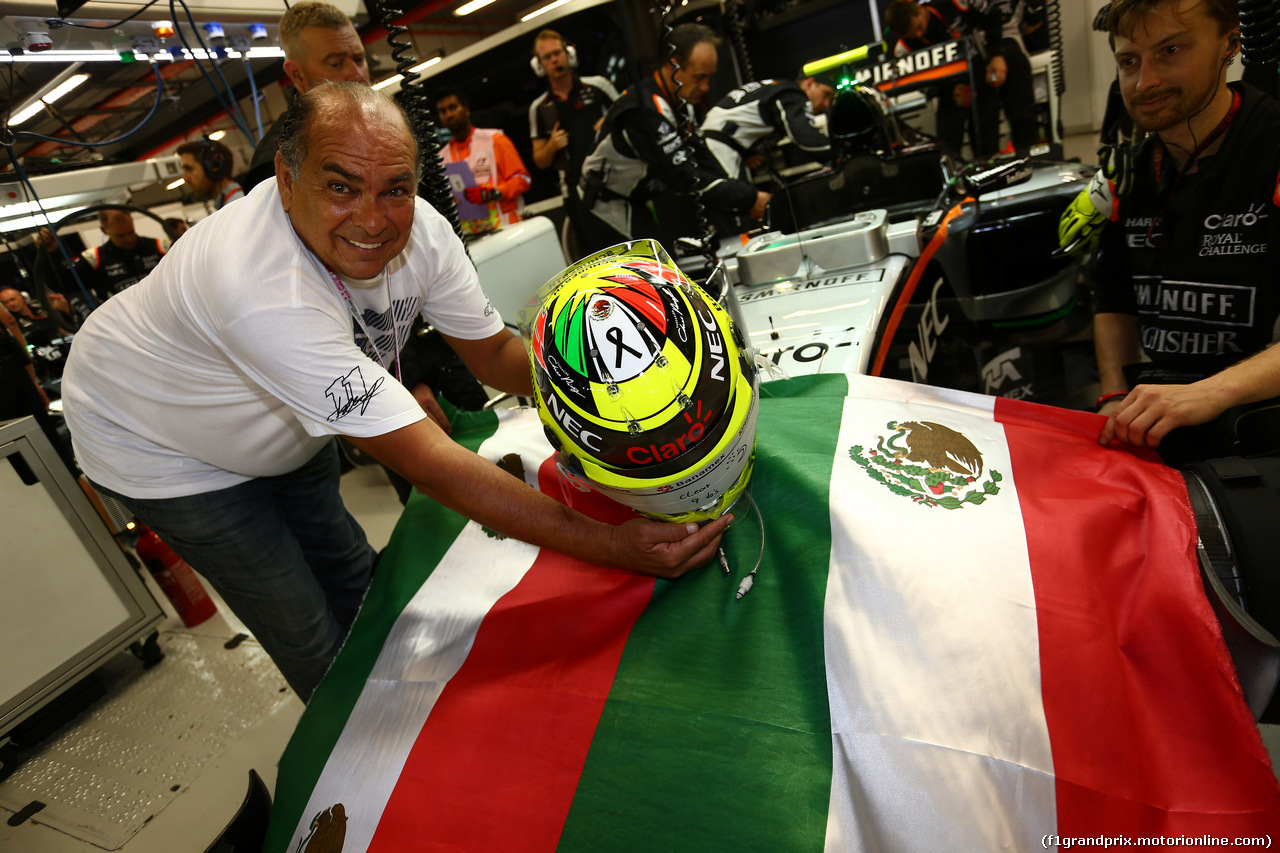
x=426 y=530
x=698 y=724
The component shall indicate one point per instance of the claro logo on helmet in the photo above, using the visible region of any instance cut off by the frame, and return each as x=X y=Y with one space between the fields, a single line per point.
x=651 y=453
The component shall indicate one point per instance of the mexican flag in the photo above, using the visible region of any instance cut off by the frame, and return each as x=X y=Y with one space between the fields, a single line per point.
x=972 y=629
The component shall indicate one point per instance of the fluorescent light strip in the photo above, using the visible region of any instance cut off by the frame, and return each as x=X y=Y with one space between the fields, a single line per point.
x=547 y=8
x=31 y=221
x=176 y=184
x=18 y=208
x=468 y=8
x=382 y=84
x=22 y=115
x=53 y=95
x=69 y=84
x=65 y=56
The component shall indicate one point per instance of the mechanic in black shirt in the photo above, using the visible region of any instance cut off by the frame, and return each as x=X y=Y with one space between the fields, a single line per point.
x=1186 y=272
x=122 y=261
x=918 y=25
x=1009 y=73
x=752 y=116
x=43 y=333
x=640 y=156
x=563 y=122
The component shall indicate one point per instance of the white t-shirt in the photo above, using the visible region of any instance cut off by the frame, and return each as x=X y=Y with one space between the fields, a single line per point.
x=237 y=358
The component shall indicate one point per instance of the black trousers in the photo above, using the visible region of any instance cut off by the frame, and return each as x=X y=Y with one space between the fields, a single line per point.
x=1016 y=97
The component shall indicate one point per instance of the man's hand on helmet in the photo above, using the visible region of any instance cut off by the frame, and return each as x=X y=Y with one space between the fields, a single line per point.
x=666 y=550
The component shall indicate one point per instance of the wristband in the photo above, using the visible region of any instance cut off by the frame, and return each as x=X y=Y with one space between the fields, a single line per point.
x=1103 y=399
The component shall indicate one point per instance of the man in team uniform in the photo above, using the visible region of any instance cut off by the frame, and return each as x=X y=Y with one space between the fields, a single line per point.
x=641 y=158
x=1009 y=73
x=758 y=113
x=1186 y=271
x=498 y=178
x=122 y=261
x=918 y=25
x=563 y=122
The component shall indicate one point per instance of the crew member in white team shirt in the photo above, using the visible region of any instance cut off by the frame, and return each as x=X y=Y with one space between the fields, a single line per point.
x=206 y=398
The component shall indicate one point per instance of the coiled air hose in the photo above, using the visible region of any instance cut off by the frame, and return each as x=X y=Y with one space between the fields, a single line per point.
x=416 y=102
x=705 y=240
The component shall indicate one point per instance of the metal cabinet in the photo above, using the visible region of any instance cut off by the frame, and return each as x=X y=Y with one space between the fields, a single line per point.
x=71 y=600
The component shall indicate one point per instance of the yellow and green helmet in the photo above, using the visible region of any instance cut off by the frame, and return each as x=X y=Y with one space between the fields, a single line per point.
x=643 y=383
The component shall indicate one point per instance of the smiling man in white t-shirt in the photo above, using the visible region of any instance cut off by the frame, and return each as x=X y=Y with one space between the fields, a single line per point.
x=206 y=397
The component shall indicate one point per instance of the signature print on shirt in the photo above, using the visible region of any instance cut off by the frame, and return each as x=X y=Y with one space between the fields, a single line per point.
x=349 y=393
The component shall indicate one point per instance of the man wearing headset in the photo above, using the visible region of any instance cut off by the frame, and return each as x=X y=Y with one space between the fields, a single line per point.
x=206 y=168
x=642 y=158
x=1186 y=270
x=563 y=122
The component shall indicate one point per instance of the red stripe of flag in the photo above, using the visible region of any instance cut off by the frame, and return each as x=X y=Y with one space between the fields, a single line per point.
x=496 y=765
x=1149 y=729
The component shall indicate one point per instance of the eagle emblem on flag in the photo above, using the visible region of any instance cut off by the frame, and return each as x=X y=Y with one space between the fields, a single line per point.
x=932 y=464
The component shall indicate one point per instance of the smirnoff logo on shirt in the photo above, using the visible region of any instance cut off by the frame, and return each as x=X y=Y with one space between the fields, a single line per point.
x=1214 y=304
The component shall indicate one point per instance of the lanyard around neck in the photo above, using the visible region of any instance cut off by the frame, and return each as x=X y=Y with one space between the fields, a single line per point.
x=1158 y=162
x=373 y=342
x=1202 y=147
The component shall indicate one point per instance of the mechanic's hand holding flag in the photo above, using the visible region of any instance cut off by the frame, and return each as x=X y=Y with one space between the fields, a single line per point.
x=1081 y=225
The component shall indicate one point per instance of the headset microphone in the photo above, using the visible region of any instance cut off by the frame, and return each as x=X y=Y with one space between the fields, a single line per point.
x=571 y=53
x=212 y=160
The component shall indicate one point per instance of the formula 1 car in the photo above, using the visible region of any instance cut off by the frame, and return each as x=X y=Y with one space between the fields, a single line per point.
x=957 y=290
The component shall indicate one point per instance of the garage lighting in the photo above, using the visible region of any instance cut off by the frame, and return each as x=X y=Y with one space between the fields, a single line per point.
x=217 y=134
x=395 y=78
x=547 y=8
x=60 y=86
x=468 y=8
x=65 y=56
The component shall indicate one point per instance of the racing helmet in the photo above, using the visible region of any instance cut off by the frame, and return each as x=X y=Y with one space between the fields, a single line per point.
x=856 y=120
x=643 y=384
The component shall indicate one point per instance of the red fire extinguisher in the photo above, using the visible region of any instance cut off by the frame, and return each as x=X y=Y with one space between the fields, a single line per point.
x=176 y=579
